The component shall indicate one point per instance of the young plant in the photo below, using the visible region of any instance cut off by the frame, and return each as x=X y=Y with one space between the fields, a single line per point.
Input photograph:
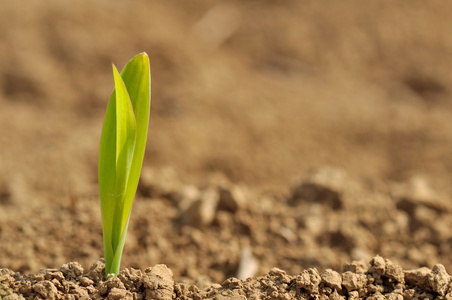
x=121 y=154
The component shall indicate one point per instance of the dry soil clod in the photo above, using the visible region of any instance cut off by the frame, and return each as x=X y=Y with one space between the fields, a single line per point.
x=380 y=279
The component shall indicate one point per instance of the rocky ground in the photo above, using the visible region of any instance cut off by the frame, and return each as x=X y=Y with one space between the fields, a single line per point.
x=291 y=146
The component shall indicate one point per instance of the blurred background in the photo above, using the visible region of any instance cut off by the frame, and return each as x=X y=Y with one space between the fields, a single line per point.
x=256 y=91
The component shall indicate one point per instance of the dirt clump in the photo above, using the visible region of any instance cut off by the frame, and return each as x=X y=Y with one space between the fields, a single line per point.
x=380 y=279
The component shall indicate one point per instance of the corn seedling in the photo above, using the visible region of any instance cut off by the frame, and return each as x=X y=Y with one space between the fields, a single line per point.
x=121 y=154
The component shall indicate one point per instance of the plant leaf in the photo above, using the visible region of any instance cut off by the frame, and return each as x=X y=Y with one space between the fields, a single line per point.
x=125 y=143
x=121 y=153
x=137 y=78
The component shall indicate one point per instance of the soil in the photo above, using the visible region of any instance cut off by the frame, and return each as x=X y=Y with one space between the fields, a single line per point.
x=295 y=150
x=380 y=279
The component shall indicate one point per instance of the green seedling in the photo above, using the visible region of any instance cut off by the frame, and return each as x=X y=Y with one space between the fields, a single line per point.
x=121 y=154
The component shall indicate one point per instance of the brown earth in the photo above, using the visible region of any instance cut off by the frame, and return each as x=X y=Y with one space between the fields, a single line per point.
x=289 y=136
x=379 y=280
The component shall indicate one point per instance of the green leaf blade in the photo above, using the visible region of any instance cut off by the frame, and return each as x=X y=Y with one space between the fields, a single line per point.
x=125 y=144
x=107 y=176
x=137 y=78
